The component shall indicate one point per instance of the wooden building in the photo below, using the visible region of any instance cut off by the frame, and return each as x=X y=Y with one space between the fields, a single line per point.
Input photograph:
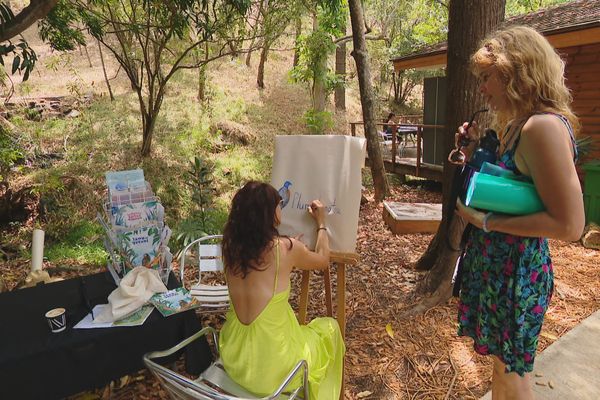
x=574 y=29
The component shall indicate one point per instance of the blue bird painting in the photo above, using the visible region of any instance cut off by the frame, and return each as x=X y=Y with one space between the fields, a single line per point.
x=284 y=192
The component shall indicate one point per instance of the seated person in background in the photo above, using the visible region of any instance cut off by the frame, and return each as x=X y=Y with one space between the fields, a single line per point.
x=388 y=129
x=261 y=340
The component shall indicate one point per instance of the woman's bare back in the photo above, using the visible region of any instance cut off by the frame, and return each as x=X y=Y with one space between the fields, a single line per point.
x=250 y=295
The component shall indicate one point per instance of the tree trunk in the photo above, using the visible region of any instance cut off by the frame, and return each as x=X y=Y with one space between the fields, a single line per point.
x=361 y=57
x=297 y=35
x=340 y=69
x=260 y=76
x=233 y=48
x=202 y=75
x=148 y=130
x=318 y=85
x=202 y=83
x=37 y=9
x=112 y=97
x=149 y=121
x=468 y=23
x=254 y=30
x=249 y=55
x=318 y=93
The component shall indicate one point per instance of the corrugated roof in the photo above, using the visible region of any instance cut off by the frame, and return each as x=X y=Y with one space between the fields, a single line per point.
x=571 y=16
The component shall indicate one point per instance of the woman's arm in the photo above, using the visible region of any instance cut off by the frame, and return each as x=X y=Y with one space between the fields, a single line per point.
x=302 y=257
x=545 y=151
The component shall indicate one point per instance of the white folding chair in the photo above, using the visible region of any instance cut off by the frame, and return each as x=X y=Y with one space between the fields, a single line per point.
x=214 y=383
x=213 y=297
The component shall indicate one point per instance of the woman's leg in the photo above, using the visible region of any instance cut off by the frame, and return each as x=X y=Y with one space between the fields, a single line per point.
x=513 y=385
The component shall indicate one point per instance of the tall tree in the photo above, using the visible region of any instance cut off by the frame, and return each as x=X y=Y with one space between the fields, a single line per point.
x=406 y=27
x=468 y=23
x=361 y=57
x=313 y=68
x=151 y=41
x=275 y=17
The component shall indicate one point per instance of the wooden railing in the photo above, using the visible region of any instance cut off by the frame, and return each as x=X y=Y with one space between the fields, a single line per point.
x=419 y=129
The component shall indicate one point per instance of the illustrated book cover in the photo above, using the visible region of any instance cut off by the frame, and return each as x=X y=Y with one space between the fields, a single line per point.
x=174 y=301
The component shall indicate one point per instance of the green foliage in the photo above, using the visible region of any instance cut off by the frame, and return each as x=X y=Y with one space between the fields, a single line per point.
x=313 y=69
x=151 y=40
x=239 y=165
x=200 y=181
x=58 y=30
x=187 y=231
x=517 y=7
x=82 y=243
x=409 y=27
x=318 y=121
x=24 y=58
x=314 y=50
x=332 y=16
x=10 y=153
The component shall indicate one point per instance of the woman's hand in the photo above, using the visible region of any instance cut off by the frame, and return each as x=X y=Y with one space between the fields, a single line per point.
x=469 y=214
x=317 y=211
x=470 y=132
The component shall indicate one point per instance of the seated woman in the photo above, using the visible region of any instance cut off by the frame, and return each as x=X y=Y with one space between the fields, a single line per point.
x=261 y=340
x=388 y=129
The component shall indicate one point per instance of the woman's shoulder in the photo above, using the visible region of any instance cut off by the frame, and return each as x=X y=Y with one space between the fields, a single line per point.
x=291 y=247
x=545 y=133
x=541 y=126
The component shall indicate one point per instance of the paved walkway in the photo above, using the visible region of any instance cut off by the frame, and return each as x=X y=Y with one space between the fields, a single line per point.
x=571 y=364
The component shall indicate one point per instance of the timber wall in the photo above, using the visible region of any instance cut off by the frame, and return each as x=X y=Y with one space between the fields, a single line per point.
x=583 y=78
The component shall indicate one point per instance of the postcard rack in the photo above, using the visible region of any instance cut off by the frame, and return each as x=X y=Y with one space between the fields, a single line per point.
x=133 y=222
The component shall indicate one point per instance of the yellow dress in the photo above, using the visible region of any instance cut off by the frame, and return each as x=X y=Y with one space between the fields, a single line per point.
x=258 y=356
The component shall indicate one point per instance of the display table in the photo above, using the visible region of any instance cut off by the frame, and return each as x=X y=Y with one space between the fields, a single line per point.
x=38 y=364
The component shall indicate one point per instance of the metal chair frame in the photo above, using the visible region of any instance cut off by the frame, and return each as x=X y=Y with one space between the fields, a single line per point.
x=214 y=383
x=214 y=298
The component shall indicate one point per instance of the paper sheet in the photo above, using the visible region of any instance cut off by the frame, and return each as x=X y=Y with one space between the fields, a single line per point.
x=135 y=319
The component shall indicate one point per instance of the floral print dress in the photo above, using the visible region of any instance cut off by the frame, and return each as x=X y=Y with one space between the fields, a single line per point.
x=506 y=287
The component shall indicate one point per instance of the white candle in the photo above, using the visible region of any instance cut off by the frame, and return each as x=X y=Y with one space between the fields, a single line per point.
x=37 y=250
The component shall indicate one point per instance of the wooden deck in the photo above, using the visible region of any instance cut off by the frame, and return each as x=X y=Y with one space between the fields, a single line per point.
x=404 y=156
x=408 y=166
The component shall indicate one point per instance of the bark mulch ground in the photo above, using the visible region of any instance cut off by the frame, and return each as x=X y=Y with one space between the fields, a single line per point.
x=388 y=356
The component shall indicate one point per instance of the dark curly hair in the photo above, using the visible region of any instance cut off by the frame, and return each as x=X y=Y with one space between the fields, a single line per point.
x=250 y=227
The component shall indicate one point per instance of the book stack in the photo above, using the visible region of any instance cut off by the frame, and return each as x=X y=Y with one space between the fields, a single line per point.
x=136 y=234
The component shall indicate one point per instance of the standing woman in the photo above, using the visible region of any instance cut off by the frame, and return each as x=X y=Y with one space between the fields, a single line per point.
x=508 y=276
x=261 y=340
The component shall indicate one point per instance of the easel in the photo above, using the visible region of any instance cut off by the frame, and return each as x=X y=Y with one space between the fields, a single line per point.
x=341 y=259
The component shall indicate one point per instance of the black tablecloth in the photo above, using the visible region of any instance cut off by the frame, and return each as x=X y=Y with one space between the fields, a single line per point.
x=38 y=364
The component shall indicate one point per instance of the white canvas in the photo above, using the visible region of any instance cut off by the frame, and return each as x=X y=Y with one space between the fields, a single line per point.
x=327 y=168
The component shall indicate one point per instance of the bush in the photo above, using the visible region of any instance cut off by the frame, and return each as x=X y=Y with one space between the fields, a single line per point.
x=318 y=121
x=10 y=153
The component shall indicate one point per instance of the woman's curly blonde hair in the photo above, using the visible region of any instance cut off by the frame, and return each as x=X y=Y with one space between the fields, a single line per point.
x=532 y=70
